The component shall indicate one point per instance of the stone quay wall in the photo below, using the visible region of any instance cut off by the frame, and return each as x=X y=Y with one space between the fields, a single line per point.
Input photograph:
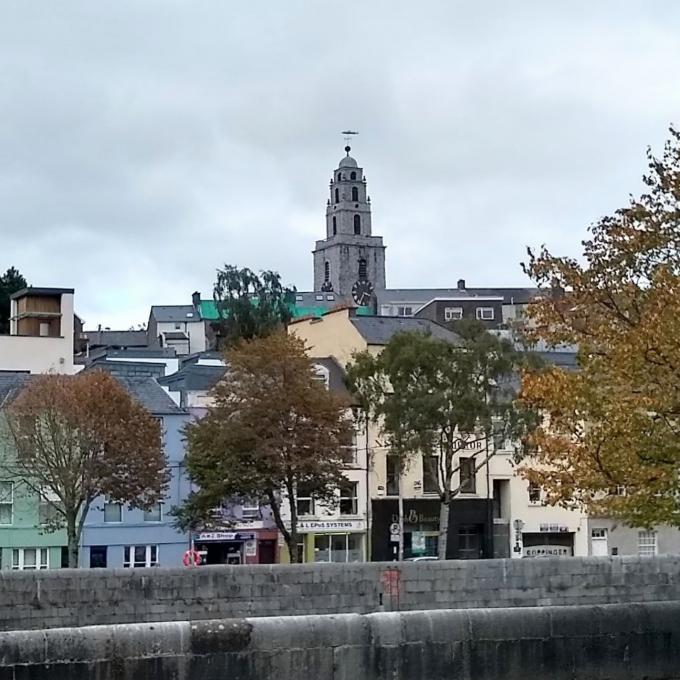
x=69 y=598
x=617 y=642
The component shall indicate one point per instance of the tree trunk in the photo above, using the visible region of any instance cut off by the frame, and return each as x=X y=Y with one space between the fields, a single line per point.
x=443 y=526
x=73 y=538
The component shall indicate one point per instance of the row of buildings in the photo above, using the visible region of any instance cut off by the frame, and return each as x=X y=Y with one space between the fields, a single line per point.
x=172 y=365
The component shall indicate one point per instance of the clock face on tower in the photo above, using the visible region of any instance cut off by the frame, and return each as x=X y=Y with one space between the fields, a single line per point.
x=362 y=291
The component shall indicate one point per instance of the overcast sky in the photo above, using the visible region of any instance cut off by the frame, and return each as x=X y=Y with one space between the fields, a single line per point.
x=145 y=143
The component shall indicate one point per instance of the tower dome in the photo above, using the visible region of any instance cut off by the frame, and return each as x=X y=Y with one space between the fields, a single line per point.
x=348 y=161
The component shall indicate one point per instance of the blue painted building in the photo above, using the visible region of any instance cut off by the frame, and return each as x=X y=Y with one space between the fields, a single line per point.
x=117 y=536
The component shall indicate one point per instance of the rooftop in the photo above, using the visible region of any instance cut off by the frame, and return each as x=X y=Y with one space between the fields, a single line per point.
x=379 y=330
x=172 y=313
x=34 y=292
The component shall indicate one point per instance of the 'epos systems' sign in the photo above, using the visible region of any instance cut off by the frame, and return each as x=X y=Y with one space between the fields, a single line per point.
x=331 y=525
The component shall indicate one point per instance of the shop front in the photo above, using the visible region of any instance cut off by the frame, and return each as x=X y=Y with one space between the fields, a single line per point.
x=332 y=540
x=236 y=547
x=548 y=544
x=469 y=534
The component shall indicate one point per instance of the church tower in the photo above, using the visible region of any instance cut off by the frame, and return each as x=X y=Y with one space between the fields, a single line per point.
x=350 y=261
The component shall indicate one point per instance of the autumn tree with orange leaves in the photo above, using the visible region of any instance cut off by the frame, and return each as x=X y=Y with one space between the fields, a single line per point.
x=74 y=438
x=610 y=441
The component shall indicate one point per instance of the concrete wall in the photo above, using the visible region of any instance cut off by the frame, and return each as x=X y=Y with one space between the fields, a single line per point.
x=631 y=642
x=59 y=598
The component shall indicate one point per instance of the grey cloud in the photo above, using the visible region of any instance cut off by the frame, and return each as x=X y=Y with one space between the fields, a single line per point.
x=143 y=144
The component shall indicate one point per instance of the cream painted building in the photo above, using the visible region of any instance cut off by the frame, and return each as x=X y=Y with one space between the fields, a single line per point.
x=41 y=332
x=495 y=514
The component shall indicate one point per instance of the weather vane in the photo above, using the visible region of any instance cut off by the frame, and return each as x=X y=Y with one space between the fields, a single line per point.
x=348 y=134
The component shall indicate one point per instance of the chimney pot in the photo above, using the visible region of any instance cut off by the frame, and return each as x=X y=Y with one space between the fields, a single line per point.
x=196 y=299
x=461 y=284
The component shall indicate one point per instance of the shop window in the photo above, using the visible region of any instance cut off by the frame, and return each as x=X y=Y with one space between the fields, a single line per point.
x=139 y=556
x=469 y=542
x=453 y=313
x=113 y=512
x=30 y=559
x=468 y=475
x=154 y=514
x=349 y=501
x=534 y=493
x=98 y=556
x=6 y=502
x=430 y=474
x=304 y=501
x=647 y=546
x=392 y=475
x=338 y=548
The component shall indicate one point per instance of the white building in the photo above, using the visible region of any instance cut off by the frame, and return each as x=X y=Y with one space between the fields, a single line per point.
x=41 y=332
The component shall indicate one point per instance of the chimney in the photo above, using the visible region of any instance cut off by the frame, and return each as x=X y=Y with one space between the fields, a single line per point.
x=461 y=284
x=196 y=300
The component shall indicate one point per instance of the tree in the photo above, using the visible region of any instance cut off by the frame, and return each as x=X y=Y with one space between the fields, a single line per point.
x=433 y=399
x=610 y=440
x=250 y=306
x=273 y=429
x=74 y=438
x=10 y=282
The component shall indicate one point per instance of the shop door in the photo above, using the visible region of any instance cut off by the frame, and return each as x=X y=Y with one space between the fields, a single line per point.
x=267 y=550
x=470 y=542
x=598 y=542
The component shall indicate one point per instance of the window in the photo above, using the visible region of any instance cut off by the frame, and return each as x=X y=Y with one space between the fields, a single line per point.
x=431 y=474
x=362 y=268
x=534 y=493
x=647 y=543
x=178 y=326
x=355 y=194
x=485 y=313
x=305 y=500
x=348 y=499
x=352 y=175
x=618 y=490
x=357 y=224
x=113 y=512
x=318 y=298
x=337 y=548
x=48 y=507
x=154 y=514
x=298 y=298
x=339 y=177
x=453 y=313
x=468 y=475
x=98 y=557
x=6 y=502
x=24 y=559
x=392 y=475
x=330 y=298
x=44 y=329
x=404 y=310
x=337 y=196
x=326 y=271
x=138 y=556
x=598 y=533
x=385 y=310
x=335 y=225
x=322 y=375
x=250 y=510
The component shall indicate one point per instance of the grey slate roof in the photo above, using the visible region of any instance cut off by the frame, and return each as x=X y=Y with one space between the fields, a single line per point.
x=198 y=356
x=193 y=378
x=175 y=335
x=151 y=395
x=423 y=295
x=117 y=338
x=11 y=382
x=378 y=330
x=171 y=313
x=309 y=299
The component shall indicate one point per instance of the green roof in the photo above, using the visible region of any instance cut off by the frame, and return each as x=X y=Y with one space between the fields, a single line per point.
x=209 y=311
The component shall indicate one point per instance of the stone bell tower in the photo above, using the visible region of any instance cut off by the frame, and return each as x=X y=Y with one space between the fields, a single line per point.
x=350 y=261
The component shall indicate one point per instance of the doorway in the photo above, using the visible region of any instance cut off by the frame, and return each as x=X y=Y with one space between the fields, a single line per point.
x=470 y=542
x=599 y=543
x=267 y=551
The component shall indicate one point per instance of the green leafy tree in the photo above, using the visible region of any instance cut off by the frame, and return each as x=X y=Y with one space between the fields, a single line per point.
x=433 y=399
x=272 y=429
x=250 y=305
x=10 y=282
